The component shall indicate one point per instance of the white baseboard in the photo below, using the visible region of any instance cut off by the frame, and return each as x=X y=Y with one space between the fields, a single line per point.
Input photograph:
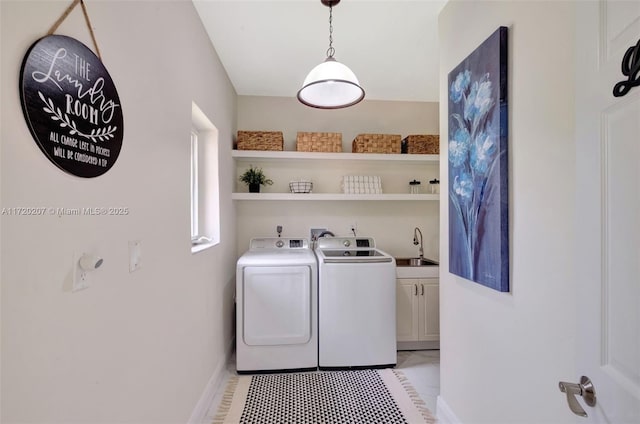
x=199 y=414
x=444 y=413
x=425 y=345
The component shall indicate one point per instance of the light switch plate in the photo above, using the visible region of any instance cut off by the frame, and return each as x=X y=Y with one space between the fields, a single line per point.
x=80 y=277
x=135 y=255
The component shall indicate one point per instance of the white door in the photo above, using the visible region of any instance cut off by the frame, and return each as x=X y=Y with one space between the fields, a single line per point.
x=608 y=211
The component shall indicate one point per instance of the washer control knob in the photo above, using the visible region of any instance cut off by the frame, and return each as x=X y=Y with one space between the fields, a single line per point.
x=279 y=243
x=346 y=243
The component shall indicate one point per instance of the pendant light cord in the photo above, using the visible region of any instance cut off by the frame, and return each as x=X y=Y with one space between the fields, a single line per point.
x=331 y=51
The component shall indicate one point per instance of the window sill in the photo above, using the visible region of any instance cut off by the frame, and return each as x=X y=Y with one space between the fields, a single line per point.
x=195 y=248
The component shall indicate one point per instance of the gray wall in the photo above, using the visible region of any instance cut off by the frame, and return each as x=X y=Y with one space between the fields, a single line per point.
x=134 y=347
x=502 y=354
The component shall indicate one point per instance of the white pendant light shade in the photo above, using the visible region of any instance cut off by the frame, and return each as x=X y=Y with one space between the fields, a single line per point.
x=331 y=85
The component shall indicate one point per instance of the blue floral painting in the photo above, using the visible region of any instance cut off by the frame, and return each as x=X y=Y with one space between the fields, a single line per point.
x=477 y=151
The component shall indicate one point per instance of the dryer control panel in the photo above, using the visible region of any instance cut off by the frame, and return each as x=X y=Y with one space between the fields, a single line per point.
x=278 y=243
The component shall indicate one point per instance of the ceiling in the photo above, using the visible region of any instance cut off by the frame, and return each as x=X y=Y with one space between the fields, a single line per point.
x=269 y=46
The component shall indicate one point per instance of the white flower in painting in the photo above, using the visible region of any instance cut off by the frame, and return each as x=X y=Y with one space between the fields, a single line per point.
x=463 y=185
x=480 y=100
x=460 y=85
x=459 y=147
x=482 y=153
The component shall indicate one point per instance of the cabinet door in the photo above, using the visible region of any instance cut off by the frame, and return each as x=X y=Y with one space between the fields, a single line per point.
x=429 y=307
x=407 y=310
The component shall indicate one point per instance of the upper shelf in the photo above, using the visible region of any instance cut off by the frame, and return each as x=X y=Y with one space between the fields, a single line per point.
x=253 y=155
x=334 y=196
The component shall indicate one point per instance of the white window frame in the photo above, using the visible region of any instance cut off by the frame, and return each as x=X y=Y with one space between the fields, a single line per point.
x=204 y=184
x=194 y=184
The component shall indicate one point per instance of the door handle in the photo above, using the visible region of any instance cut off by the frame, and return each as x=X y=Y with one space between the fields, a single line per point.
x=422 y=289
x=585 y=389
x=415 y=286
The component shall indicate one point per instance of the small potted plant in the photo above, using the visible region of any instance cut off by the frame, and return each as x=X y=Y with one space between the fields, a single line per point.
x=254 y=178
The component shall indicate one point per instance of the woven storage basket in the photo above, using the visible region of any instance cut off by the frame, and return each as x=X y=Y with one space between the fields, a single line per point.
x=260 y=140
x=422 y=144
x=376 y=143
x=319 y=142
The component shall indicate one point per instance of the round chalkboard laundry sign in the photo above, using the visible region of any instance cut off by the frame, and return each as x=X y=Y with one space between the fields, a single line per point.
x=71 y=106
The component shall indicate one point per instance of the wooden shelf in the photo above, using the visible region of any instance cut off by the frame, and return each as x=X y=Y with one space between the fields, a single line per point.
x=259 y=155
x=335 y=196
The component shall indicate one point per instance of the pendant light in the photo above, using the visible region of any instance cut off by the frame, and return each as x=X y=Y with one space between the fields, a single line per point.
x=330 y=85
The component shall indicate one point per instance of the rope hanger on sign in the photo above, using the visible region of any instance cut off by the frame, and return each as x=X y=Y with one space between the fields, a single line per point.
x=86 y=18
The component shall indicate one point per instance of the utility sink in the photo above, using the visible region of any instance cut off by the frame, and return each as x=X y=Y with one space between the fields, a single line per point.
x=415 y=262
x=417 y=268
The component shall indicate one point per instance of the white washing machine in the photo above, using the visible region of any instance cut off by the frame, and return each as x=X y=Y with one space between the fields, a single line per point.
x=276 y=306
x=356 y=304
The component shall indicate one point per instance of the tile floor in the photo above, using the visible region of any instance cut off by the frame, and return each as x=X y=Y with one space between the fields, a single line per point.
x=421 y=367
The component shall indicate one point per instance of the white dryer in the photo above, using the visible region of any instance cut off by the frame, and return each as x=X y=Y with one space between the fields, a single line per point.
x=276 y=306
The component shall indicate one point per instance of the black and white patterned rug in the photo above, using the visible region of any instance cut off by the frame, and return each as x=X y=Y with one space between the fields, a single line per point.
x=336 y=397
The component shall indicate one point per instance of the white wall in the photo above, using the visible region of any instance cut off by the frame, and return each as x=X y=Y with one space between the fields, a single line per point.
x=134 y=347
x=390 y=223
x=287 y=114
x=502 y=355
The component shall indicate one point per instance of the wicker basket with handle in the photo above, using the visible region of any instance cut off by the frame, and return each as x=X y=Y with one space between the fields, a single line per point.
x=422 y=144
x=377 y=143
x=319 y=142
x=260 y=140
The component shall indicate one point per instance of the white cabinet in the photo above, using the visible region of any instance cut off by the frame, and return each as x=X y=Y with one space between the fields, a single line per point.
x=407 y=310
x=326 y=171
x=417 y=313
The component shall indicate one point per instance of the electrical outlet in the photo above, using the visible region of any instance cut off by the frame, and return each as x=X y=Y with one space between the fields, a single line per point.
x=315 y=232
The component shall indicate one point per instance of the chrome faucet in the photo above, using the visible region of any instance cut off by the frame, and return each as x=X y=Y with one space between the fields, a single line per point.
x=417 y=231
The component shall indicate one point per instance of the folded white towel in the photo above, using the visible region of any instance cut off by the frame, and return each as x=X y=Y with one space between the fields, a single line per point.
x=361 y=184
